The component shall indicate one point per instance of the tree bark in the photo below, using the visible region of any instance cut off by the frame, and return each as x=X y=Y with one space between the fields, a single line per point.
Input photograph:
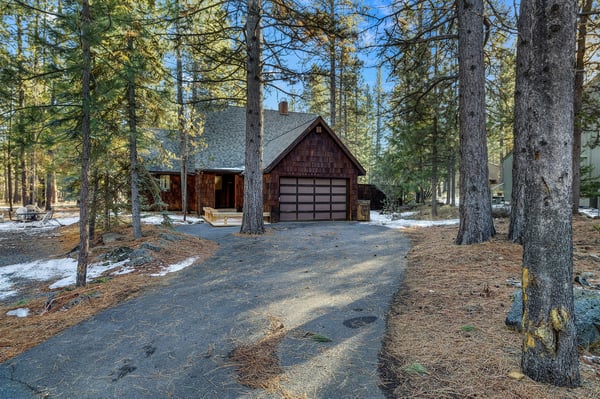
x=332 y=71
x=135 y=195
x=577 y=100
x=252 y=221
x=84 y=240
x=183 y=135
x=476 y=223
x=545 y=111
x=434 y=167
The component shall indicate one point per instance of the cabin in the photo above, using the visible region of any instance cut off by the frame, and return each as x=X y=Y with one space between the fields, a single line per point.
x=308 y=174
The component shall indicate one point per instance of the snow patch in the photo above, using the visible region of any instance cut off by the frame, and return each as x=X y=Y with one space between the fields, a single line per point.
x=176 y=267
x=20 y=312
x=386 y=220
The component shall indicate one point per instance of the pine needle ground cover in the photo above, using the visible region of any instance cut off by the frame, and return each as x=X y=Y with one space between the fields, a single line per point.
x=446 y=335
x=69 y=306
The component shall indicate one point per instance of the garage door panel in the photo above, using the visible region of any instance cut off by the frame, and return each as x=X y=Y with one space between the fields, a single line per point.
x=338 y=215
x=288 y=181
x=287 y=207
x=306 y=198
x=324 y=207
x=287 y=217
x=312 y=199
x=306 y=207
x=323 y=216
x=287 y=198
x=306 y=181
x=287 y=189
x=305 y=190
x=338 y=207
x=305 y=216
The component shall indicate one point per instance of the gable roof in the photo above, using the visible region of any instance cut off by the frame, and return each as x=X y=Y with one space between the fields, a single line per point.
x=334 y=137
x=225 y=133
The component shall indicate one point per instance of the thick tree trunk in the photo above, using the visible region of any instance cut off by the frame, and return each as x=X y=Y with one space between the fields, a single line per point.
x=545 y=109
x=135 y=194
x=183 y=134
x=517 y=201
x=577 y=100
x=94 y=204
x=434 y=168
x=252 y=221
x=9 y=179
x=476 y=223
x=332 y=71
x=86 y=152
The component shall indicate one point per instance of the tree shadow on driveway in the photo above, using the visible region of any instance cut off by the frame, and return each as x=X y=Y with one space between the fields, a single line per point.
x=174 y=341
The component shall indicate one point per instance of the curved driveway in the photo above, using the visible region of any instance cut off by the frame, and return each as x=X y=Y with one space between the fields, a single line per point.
x=333 y=279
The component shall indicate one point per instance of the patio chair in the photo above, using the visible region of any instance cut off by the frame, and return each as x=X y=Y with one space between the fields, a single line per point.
x=46 y=220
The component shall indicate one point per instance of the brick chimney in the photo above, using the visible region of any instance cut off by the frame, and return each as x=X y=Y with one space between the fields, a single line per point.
x=283 y=107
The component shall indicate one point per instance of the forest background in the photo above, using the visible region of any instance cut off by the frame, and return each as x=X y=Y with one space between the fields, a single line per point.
x=86 y=84
x=384 y=76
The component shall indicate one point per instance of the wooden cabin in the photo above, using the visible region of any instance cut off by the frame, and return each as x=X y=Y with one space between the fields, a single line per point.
x=309 y=174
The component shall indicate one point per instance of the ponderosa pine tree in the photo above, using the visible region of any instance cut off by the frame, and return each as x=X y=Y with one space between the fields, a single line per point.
x=86 y=71
x=252 y=221
x=544 y=121
x=476 y=222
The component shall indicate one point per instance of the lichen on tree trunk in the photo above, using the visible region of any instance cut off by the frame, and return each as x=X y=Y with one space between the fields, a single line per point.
x=545 y=111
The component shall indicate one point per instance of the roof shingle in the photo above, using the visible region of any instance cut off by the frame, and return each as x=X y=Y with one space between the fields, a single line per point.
x=225 y=133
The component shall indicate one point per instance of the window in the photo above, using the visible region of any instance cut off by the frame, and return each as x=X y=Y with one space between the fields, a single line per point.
x=165 y=182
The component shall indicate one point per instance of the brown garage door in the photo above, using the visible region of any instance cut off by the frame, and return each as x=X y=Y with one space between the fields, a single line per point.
x=302 y=198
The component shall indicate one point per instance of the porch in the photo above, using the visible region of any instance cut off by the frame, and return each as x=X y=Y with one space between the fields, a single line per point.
x=227 y=217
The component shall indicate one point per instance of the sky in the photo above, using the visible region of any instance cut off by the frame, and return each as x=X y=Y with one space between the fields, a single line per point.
x=60 y=273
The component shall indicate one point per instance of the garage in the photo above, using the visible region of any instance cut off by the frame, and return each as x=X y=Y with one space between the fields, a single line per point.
x=305 y=198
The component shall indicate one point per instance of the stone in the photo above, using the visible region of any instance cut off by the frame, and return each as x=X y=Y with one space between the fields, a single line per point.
x=170 y=237
x=118 y=254
x=139 y=257
x=112 y=237
x=150 y=246
x=587 y=315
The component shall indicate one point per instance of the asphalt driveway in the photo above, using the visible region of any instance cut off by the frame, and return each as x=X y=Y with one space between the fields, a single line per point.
x=333 y=279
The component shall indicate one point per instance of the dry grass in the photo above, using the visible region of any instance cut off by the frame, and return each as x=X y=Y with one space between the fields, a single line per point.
x=73 y=305
x=446 y=333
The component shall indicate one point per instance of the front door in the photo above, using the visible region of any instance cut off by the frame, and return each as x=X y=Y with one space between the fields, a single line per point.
x=225 y=191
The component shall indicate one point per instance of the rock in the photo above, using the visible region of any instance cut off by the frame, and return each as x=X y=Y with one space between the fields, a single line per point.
x=150 y=246
x=112 y=237
x=139 y=257
x=587 y=315
x=515 y=313
x=170 y=237
x=582 y=281
x=501 y=211
x=117 y=254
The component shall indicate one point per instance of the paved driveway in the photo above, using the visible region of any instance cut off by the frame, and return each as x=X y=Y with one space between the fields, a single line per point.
x=334 y=279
